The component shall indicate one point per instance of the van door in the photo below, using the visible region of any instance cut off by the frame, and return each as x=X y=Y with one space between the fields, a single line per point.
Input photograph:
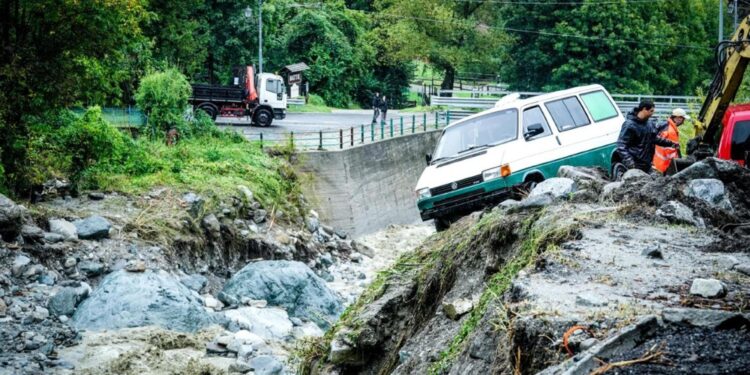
x=540 y=143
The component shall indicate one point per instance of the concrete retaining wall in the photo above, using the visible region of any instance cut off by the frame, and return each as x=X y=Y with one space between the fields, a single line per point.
x=365 y=188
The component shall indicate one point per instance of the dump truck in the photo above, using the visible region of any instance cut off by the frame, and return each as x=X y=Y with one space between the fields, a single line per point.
x=261 y=97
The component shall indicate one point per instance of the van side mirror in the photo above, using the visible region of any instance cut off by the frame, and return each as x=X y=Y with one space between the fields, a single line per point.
x=533 y=130
x=428 y=158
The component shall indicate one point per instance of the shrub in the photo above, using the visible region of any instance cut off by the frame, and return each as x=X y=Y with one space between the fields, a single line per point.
x=163 y=97
x=313 y=99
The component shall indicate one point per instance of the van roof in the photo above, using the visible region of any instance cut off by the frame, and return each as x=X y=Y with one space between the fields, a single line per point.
x=515 y=102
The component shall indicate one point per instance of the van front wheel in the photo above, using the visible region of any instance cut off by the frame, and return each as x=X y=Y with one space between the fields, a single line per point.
x=441 y=224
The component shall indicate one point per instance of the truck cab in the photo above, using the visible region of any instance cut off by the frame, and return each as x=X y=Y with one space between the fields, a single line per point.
x=734 y=143
x=272 y=93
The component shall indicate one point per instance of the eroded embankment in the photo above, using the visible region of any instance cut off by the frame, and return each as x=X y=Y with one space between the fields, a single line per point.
x=502 y=291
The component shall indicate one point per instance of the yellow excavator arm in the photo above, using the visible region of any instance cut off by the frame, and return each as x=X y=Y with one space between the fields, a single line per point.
x=732 y=57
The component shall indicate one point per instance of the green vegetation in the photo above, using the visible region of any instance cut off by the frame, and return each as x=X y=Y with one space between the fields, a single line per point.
x=163 y=97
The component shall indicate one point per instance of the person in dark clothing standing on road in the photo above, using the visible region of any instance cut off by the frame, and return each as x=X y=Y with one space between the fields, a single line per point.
x=383 y=107
x=638 y=139
x=375 y=107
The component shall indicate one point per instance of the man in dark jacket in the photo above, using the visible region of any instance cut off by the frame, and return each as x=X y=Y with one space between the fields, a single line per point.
x=638 y=138
x=375 y=107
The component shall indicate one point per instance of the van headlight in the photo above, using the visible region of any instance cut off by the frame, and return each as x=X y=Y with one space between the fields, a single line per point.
x=491 y=174
x=423 y=193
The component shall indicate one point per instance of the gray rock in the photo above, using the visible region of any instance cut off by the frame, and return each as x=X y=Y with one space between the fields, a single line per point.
x=195 y=282
x=326 y=259
x=340 y=233
x=743 y=268
x=63 y=228
x=212 y=226
x=3 y=308
x=557 y=187
x=32 y=233
x=701 y=169
x=259 y=216
x=707 y=318
x=363 y=249
x=50 y=237
x=240 y=366
x=90 y=268
x=678 y=213
x=266 y=365
x=70 y=262
x=271 y=323
x=48 y=278
x=588 y=343
x=633 y=175
x=291 y=285
x=582 y=174
x=246 y=193
x=11 y=218
x=92 y=228
x=509 y=203
x=710 y=191
x=96 y=196
x=456 y=309
x=125 y=299
x=194 y=203
x=66 y=299
x=536 y=201
x=652 y=252
x=609 y=191
x=708 y=288
x=135 y=265
x=342 y=352
x=40 y=314
x=20 y=264
x=591 y=300
x=312 y=224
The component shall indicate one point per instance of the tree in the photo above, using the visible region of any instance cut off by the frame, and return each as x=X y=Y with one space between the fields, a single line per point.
x=448 y=34
x=629 y=47
x=163 y=97
x=57 y=54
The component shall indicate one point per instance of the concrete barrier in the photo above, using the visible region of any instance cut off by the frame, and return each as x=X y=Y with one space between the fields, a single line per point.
x=363 y=189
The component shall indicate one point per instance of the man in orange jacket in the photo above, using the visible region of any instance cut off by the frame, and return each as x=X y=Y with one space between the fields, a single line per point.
x=669 y=130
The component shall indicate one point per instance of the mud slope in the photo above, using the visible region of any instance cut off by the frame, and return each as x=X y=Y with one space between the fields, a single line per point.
x=593 y=274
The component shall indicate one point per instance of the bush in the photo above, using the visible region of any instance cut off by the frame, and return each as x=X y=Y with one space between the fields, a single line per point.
x=163 y=97
x=313 y=99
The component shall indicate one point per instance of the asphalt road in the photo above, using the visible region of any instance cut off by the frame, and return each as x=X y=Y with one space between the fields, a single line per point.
x=306 y=126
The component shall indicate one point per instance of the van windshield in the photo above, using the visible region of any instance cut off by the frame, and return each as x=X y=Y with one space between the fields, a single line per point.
x=488 y=130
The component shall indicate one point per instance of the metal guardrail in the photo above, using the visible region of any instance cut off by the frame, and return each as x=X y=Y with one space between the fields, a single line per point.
x=625 y=102
x=295 y=101
x=354 y=135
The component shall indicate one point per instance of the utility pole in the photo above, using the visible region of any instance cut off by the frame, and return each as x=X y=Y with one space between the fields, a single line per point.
x=260 y=36
x=721 y=20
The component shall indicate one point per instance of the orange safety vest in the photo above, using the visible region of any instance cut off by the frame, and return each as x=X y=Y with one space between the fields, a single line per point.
x=663 y=155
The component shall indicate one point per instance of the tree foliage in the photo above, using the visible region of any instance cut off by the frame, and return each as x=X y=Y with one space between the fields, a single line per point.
x=163 y=97
x=661 y=47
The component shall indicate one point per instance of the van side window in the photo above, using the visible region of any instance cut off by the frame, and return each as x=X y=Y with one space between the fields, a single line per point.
x=567 y=113
x=599 y=105
x=533 y=116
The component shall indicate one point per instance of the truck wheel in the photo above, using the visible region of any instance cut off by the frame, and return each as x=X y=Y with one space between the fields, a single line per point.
x=618 y=169
x=441 y=224
x=263 y=117
x=210 y=111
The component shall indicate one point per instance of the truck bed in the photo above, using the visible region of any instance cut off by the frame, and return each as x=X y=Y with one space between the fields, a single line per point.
x=216 y=93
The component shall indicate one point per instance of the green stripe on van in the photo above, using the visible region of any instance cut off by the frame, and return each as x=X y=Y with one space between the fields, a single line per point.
x=598 y=157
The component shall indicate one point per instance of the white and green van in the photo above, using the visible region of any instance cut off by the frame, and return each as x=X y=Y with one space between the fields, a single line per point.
x=483 y=159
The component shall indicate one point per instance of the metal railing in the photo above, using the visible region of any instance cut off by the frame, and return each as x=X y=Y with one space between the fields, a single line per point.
x=625 y=102
x=295 y=101
x=344 y=138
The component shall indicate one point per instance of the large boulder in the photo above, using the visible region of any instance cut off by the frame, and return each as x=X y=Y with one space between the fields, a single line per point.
x=11 y=218
x=556 y=187
x=288 y=284
x=709 y=190
x=92 y=228
x=585 y=177
x=127 y=299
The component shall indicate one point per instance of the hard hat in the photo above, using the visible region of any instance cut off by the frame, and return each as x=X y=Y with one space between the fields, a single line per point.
x=679 y=112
